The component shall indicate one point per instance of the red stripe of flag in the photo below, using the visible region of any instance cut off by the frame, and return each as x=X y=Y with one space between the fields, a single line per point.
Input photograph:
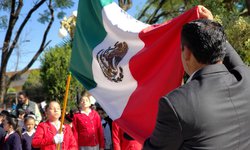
x=158 y=69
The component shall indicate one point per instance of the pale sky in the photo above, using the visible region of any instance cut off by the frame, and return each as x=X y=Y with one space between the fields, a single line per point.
x=32 y=35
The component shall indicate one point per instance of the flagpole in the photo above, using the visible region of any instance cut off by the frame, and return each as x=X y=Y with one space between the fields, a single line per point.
x=65 y=100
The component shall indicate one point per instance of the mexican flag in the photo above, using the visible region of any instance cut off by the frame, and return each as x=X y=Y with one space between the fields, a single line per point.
x=125 y=64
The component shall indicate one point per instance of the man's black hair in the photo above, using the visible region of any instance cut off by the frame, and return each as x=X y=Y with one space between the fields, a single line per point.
x=24 y=93
x=205 y=39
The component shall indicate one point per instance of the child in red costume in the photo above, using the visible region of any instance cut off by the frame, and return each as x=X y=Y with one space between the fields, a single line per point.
x=122 y=141
x=47 y=136
x=87 y=127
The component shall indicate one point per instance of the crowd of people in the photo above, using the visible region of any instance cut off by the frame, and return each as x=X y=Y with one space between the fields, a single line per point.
x=87 y=128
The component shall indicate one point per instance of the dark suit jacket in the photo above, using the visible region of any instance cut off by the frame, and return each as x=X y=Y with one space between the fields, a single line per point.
x=211 y=112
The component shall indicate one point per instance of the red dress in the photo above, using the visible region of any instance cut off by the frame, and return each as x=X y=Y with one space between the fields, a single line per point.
x=44 y=137
x=122 y=143
x=88 y=130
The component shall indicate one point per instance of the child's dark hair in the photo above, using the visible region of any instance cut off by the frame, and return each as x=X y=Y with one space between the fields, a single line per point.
x=29 y=117
x=21 y=111
x=13 y=121
x=98 y=107
x=85 y=93
x=5 y=113
x=47 y=106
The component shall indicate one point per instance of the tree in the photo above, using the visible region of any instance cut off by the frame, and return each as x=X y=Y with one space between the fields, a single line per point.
x=13 y=10
x=236 y=25
x=34 y=86
x=233 y=14
x=54 y=71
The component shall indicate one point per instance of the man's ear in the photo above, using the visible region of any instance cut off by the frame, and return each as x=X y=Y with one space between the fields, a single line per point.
x=186 y=53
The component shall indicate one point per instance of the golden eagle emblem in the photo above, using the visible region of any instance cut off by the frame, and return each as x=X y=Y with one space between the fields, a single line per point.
x=109 y=60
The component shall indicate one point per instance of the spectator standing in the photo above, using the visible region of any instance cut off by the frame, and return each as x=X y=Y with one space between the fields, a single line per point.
x=106 y=127
x=21 y=114
x=87 y=127
x=28 y=106
x=104 y=115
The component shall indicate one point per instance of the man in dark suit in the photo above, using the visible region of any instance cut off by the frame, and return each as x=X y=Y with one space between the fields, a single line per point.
x=212 y=110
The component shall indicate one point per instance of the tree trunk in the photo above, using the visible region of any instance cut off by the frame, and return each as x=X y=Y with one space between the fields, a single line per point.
x=8 y=47
x=2 y=83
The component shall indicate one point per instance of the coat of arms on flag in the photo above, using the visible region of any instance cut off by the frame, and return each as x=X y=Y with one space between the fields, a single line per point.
x=109 y=60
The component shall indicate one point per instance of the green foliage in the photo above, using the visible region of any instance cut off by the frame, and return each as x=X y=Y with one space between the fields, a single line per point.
x=34 y=86
x=11 y=90
x=63 y=4
x=228 y=13
x=58 y=5
x=3 y=22
x=216 y=7
x=5 y=5
x=174 y=7
x=238 y=34
x=44 y=17
x=169 y=10
x=61 y=14
x=33 y=79
x=54 y=72
x=236 y=26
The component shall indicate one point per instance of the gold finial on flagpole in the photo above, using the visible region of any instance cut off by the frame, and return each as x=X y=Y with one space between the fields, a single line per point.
x=68 y=25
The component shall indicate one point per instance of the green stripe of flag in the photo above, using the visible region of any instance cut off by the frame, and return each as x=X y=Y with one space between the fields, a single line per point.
x=106 y=2
x=88 y=34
